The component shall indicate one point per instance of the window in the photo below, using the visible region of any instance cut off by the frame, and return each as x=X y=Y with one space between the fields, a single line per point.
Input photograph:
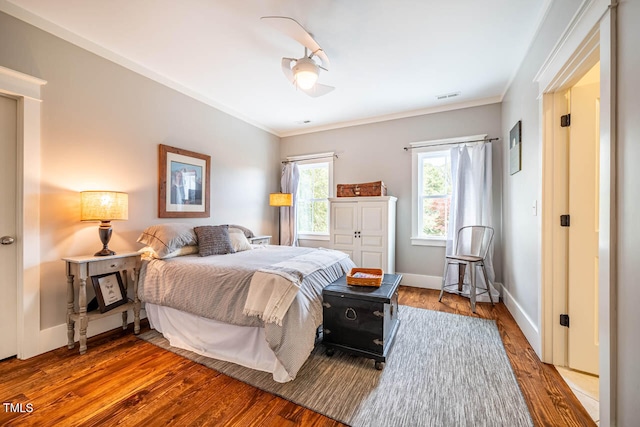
x=432 y=187
x=431 y=196
x=434 y=193
x=314 y=190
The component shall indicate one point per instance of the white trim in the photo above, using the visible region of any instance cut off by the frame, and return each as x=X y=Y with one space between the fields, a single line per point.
x=421 y=281
x=56 y=336
x=26 y=89
x=319 y=237
x=571 y=44
x=426 y=241
x=395 y=116
x=526 y=325
x=592 y=30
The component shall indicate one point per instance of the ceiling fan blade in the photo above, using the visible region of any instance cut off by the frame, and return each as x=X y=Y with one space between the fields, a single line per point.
x=293 y=29
x=286 y=68
x=318 y=90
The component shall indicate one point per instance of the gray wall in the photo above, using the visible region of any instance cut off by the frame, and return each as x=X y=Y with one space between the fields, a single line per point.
x=101 y=126
x=374 y=152
x=628 y=179
x=521 y=230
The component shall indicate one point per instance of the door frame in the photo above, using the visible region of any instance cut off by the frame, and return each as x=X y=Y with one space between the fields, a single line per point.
x=591 y=36
x=26 y=90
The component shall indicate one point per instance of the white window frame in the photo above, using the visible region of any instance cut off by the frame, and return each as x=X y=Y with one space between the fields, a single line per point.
x=417 y=153
x=309 y=159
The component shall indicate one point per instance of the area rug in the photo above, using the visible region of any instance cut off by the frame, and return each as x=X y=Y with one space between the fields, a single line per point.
x=443 y=370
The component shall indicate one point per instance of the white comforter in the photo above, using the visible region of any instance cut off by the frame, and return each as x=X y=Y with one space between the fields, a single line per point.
x=217 y=287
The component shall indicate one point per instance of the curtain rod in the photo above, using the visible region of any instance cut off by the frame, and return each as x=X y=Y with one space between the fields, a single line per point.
x=308 y=158
x=450 y=143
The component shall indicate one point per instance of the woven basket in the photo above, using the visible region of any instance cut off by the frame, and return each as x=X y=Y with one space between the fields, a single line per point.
x=375 y=280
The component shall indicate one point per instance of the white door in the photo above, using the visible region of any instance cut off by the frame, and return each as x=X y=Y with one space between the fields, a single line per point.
x=584 y=146
x=373 y=219
x=8 y=280
x=344 y=225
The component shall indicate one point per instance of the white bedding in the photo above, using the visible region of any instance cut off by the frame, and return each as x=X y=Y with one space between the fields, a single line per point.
x=242 y=345
x=216 y=288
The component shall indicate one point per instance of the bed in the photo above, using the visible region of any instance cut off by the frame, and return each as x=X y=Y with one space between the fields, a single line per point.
x=257 y=306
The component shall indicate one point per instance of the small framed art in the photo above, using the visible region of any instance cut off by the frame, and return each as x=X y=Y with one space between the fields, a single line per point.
x=183 y=183
x=110 y=291
x=515 y=148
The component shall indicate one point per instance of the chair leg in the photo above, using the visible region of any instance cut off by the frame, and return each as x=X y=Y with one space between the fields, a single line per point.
x=444 y=280
x=486 y=281
x=472 y=292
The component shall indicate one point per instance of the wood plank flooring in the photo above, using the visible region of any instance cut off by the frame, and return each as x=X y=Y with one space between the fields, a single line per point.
x=122 y=380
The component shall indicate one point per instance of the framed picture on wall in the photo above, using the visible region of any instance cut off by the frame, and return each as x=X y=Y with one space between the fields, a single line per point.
x=110 y=291
x=183 y=183
x=515 y=148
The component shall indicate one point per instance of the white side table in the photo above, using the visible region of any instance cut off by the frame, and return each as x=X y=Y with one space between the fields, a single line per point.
x=83 y=268
x=260 y=240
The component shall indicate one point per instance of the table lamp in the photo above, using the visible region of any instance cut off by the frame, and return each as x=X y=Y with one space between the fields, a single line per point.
x=104 y=206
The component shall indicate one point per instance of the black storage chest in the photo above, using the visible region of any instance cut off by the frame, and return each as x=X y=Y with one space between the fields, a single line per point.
x=361 y=320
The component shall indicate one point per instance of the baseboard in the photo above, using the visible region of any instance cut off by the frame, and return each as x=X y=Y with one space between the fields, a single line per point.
x=526 y=325
x=435 y=282
x=56 y=336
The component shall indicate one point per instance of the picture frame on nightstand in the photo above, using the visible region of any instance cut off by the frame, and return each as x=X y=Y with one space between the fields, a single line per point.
x=110 y=291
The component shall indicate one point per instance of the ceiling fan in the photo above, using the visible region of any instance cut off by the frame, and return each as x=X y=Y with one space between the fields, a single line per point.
x=302 y=72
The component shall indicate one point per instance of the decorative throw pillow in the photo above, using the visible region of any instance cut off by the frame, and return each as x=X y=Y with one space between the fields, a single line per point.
x=167 y=238
x=213 y=240
x=248 y=233
x=238 y=240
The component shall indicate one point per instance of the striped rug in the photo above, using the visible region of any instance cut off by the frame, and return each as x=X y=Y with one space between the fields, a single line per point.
x=443 y=370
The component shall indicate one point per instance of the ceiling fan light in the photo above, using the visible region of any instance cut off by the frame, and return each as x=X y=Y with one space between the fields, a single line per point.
x=305 y=73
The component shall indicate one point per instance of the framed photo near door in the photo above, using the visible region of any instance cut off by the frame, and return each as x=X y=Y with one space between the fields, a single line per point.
x=110 y=291
x=515 y=148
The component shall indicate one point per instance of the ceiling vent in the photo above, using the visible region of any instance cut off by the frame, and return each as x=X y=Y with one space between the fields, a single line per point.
x=448 y=95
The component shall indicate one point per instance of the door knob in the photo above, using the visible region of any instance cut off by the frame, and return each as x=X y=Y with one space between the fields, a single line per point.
x=7 y=240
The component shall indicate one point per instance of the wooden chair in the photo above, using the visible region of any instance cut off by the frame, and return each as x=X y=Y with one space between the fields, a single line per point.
x=472 y=246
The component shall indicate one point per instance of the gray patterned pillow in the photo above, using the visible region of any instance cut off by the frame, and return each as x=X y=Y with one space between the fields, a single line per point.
x=167 y=238
x=213 y=240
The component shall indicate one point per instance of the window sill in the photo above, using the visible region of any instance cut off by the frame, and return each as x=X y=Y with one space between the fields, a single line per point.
x=324 y=237
x=424 y=241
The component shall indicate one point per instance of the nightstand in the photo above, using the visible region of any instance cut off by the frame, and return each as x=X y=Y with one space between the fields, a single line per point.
x=260 y=240
x=83 y=268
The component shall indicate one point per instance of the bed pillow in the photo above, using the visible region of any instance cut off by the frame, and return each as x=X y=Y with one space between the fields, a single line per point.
x=213 y=240
x=185 y=250
x=167 y=238
x=248 y=233
x=238 y=239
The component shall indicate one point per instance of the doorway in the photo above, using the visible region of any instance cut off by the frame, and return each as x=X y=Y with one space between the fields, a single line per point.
x=583 y=175
x=8 y=253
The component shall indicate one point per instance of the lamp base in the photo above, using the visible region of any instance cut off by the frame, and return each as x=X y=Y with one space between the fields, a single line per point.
x=105 y=235
x=104 y=252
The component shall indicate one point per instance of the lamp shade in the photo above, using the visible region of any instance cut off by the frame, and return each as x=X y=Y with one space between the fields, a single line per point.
x=281 y=199
x=104 y=206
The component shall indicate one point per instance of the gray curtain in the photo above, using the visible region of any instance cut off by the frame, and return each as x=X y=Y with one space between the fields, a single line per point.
x=289 y=184
x=471 y=204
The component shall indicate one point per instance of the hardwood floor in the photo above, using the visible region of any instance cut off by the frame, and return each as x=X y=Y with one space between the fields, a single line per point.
x=122 y=380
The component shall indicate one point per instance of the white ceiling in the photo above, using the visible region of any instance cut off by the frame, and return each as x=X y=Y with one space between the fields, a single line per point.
x=389 y=58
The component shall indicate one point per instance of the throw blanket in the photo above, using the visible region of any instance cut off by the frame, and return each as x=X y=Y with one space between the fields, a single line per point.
x=273 y=289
